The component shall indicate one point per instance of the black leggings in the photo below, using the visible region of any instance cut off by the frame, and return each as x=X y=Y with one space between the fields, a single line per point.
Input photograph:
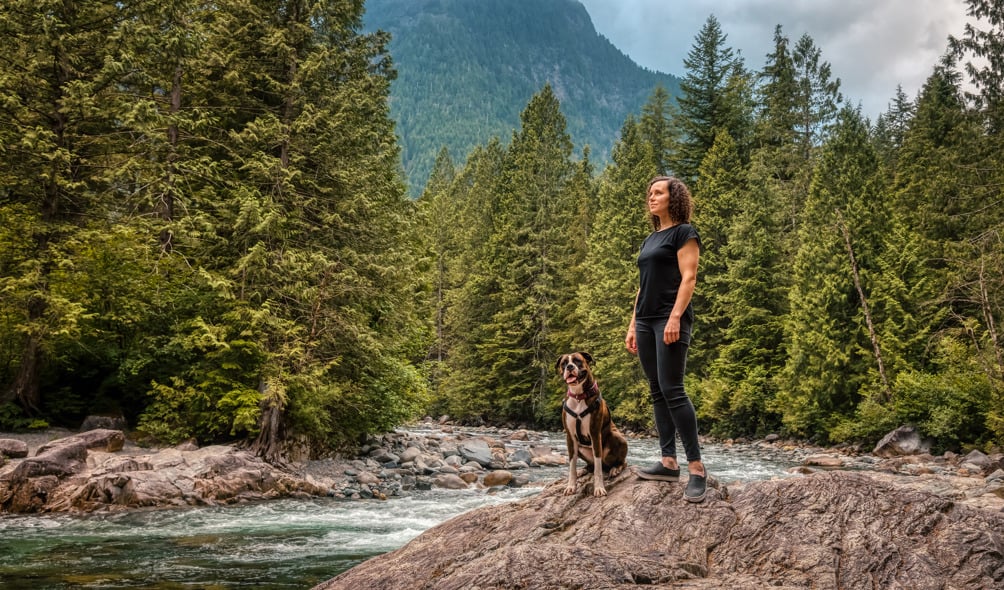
x=664 y=366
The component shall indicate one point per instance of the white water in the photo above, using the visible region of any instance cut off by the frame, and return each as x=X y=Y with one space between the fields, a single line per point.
x=276 y=544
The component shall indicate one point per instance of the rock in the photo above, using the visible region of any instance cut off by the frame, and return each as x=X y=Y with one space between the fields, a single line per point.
x=367 y=478
x=519 y=456
x=449 y=482
x=476 y=450
x=382 y=455
x=823 y=460
x=551 y=460
x=828 y=530
x=84 y=472
x=977 y=458
x=497 y=478
x=104 y=440
x=103 y=423
x=410 y=454
x=13 y=449
x=905 y=440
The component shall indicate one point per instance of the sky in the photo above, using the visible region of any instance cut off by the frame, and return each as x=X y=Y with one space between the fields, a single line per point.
x=871 y=45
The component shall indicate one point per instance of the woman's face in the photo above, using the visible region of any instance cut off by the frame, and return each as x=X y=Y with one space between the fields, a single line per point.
x=658 y=198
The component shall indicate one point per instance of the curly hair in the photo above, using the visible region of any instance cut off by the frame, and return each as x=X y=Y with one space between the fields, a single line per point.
x=681 y=205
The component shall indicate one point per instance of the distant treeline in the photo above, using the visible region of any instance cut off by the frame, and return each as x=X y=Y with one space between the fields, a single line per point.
x=204 y=229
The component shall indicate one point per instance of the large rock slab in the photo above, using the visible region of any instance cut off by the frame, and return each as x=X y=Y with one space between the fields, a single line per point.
x=827 y=530
x=85 y=473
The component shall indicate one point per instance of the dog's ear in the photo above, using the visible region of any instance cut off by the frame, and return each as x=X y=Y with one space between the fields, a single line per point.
x=588 y=357
x=558 y=363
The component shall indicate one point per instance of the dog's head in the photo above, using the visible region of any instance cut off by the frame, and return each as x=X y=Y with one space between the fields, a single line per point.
x=574 y=368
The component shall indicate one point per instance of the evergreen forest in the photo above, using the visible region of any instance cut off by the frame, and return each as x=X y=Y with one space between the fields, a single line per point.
x=206 y=229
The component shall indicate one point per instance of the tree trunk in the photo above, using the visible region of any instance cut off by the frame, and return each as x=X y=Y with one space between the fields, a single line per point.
x=269 y=445
x=864 y=306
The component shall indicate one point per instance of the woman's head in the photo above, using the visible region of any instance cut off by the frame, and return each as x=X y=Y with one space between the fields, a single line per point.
x=668 y=195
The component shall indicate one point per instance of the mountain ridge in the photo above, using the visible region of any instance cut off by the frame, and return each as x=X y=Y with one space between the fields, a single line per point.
x=467 y=68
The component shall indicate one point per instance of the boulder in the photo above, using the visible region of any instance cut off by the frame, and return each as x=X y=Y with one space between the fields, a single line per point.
x=450 y=482
x=476 y=450
x=977 y=458
x=103 y=423
x=905 y=440
x=828 y=530
x=13 y=449
x=497 y=478
x=101 y=439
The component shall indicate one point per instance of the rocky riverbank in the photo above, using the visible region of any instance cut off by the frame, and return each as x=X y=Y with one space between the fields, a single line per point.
x=61 y=471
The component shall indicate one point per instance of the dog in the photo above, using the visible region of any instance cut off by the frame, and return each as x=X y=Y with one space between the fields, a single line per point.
x=589 y=431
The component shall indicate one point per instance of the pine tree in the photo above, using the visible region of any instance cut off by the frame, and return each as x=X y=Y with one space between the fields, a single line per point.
x=311 y=224
x=607 y=293
x=819 y=95
x=469 y=384
x=718 y=202
x=657 y=128
x=830 y=358
x=528 y=242
x=714 y=95
x=58 y=86
x=439 y=216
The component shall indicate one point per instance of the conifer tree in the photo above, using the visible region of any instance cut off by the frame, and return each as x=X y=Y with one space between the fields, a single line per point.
x=714 y=94
x=606 y=297
x=528 y=248
x=439 y=217
x=468 y=387
x=313 y=224
x=718 y=202
x=819 y=95
x=830 y=358
x=657 y=128
x=58 y=81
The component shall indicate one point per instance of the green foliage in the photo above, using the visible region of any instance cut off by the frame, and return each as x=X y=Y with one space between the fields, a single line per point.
x=948 y=405
x=215 y=395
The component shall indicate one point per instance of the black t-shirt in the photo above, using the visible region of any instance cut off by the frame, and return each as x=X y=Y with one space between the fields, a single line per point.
x=659 y=272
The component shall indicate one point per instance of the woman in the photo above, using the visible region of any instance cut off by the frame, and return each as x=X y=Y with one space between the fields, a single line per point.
x=661 y=326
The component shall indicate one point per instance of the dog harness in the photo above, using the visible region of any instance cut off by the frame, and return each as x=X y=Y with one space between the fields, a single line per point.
x=595 y=390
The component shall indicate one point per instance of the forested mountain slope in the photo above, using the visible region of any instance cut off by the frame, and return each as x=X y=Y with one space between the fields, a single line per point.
x=466 y=68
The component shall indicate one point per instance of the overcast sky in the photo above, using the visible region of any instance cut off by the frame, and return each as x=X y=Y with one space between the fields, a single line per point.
x=871 y=45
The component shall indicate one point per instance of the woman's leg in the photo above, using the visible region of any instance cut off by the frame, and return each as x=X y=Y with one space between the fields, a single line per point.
x=649 y=341
x=671 y=361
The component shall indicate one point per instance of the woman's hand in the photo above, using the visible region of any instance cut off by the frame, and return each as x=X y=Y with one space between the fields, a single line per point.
x=630 y=342
x=672 y=332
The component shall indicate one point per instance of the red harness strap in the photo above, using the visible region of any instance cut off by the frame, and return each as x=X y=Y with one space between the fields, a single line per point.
x=583 y=438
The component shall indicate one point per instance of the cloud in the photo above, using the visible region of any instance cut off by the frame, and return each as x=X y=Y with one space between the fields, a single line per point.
x=872 y=46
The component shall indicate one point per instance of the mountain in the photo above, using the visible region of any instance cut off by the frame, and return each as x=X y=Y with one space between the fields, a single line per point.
x=468 y=68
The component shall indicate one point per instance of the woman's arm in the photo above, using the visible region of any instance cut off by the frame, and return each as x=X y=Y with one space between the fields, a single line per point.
x=630 y=341
x=688 y=257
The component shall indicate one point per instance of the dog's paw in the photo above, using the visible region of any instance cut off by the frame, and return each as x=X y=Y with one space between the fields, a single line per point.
x=600 y=491
x=569 y=490
x=616 y=471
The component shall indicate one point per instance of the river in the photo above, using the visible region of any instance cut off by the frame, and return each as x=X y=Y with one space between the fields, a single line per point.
x=275 y=544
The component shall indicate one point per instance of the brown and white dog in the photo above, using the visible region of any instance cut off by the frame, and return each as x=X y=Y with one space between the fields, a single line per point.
x=589 y=431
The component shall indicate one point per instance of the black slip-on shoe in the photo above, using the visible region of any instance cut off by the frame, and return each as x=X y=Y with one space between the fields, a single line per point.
x=697 y=487
x=659 y=472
